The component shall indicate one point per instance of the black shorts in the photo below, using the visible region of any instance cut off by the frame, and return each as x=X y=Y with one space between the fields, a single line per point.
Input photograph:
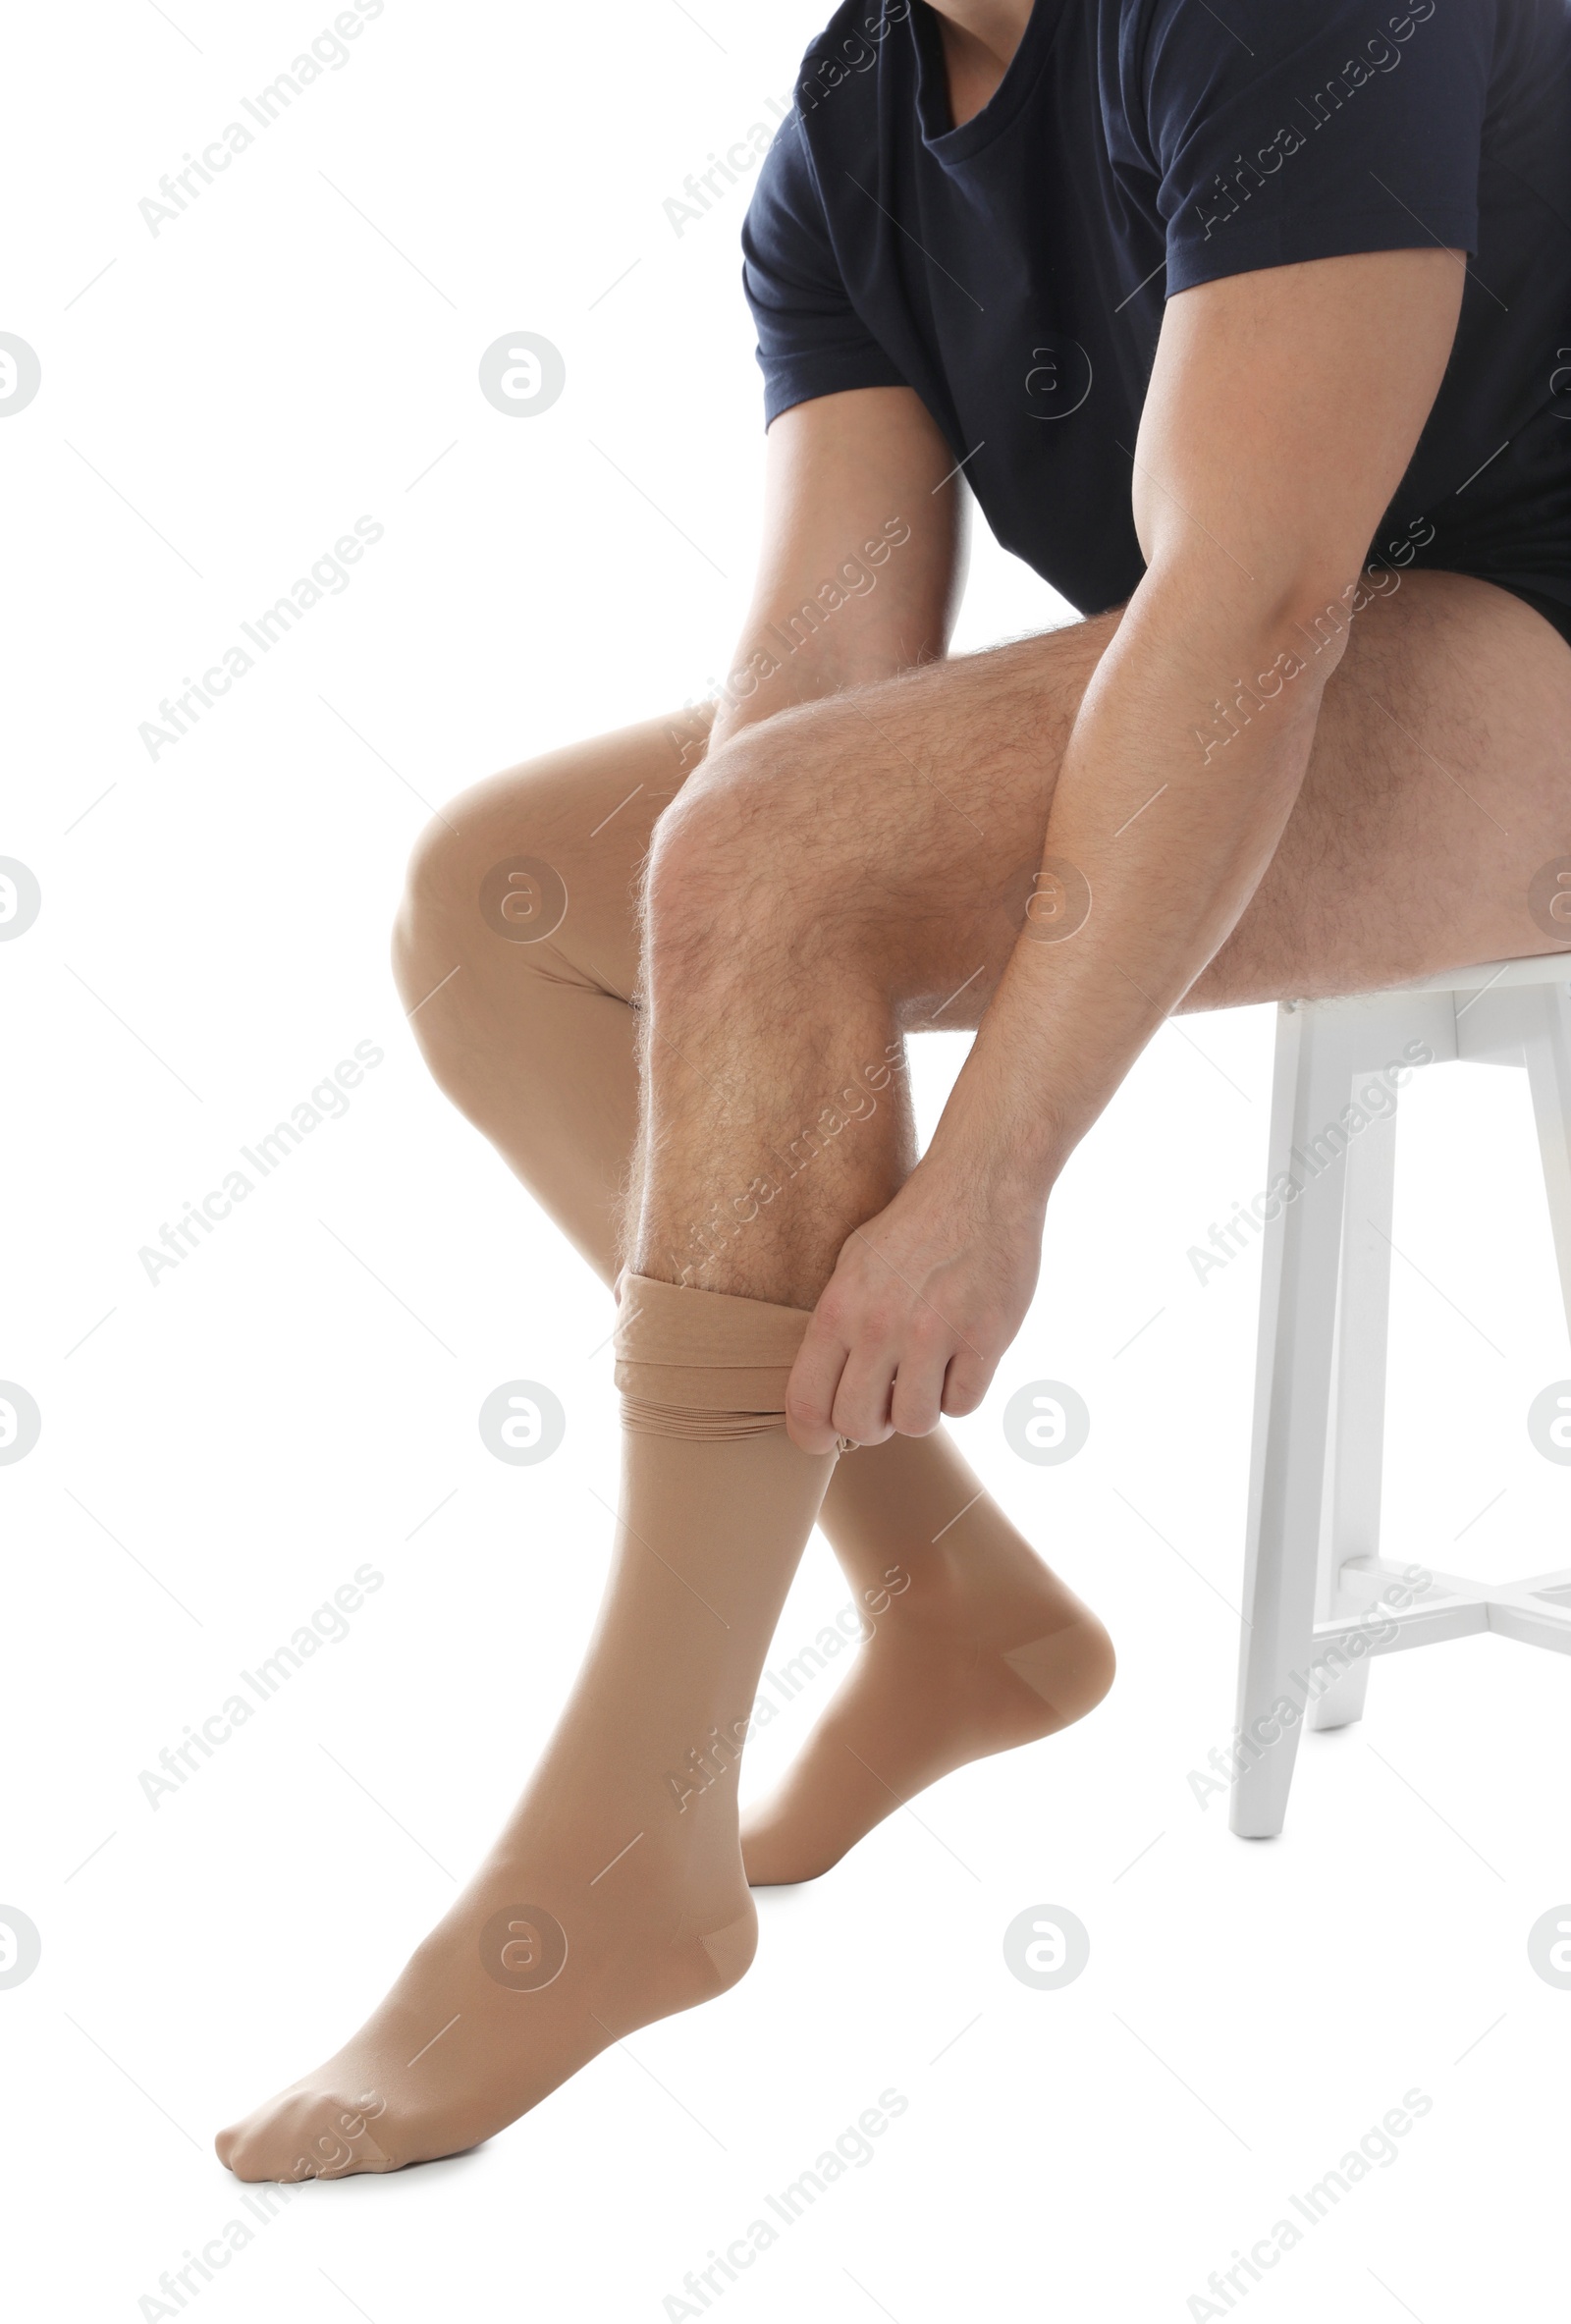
x=1556 y=609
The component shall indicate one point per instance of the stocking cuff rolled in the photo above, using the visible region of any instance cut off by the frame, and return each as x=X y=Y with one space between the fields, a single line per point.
x=703 y=1364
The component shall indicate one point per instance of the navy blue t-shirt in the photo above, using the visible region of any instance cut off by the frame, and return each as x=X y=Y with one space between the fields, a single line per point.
x=1013 y=271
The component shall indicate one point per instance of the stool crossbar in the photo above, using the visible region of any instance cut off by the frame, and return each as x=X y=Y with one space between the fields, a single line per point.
x=1320 y=1602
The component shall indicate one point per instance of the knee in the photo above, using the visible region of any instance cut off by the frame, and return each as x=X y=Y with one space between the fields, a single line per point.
x=695 y=869
x=435 y=876
x=734 y=890
x=438 y=884
x=487 y=860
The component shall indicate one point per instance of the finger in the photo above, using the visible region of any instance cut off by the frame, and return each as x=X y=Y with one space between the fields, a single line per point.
x=917 y=1404
x=862 y=1400
x=811 y=1389
x=966 y=1382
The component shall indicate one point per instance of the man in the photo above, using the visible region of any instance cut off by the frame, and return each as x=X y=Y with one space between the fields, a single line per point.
x=1248 y=328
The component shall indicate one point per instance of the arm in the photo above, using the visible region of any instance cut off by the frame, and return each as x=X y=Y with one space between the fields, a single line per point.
x=863 y=553
x=1283 y=408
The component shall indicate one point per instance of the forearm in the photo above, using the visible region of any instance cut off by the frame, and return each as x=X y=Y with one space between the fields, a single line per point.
x=1171 y=816
x=1283 y=408
x=833 y=632
x=863 y=554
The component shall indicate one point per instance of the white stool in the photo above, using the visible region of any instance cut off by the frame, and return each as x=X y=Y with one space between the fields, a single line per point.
x=1314 y=1574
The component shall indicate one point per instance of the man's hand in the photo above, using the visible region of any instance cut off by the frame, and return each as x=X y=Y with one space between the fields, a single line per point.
x=920 y=1308
x=1283 y=408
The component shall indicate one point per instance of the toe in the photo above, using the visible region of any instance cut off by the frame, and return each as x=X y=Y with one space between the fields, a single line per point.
x=241 y=2150
x=310 y=2133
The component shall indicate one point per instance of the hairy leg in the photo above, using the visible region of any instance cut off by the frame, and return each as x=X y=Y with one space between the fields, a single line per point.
x=853 y=869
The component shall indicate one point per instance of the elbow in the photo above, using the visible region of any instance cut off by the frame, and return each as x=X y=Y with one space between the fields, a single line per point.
x=1314 y=610
x=1303 y=602
x=1263 y=639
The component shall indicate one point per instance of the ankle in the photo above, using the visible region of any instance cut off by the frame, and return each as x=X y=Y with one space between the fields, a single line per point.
x=940 y=1586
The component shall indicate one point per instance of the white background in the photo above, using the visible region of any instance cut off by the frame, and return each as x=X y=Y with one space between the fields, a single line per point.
x=220 y=401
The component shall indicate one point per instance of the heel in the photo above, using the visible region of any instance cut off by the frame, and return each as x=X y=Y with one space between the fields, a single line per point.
x=729 y=1949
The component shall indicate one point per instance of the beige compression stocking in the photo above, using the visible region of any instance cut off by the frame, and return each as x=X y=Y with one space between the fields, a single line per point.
x=616 y=1894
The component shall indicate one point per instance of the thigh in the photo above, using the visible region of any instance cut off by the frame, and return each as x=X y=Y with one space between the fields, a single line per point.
x=906 y=820
x=1439 y=788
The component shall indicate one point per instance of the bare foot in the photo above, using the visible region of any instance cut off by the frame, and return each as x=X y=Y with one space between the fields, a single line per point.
x=558 y=1946
x=973 y=1660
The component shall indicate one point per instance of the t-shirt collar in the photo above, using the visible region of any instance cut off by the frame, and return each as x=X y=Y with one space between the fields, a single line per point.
x=946 y=144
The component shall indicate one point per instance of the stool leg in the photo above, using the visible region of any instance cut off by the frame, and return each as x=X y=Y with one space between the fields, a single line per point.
x=1547 y=1053
x=1292 y=1399
x=1358 y=1448
x=1343 y=1700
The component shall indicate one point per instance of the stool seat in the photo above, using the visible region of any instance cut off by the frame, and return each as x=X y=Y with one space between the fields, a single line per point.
x=1320 y=1602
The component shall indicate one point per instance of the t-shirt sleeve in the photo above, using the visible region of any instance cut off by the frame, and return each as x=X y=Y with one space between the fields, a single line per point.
x=811 y=341
x=1289 y=130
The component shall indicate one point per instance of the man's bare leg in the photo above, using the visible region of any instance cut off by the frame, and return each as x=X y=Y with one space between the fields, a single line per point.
x=898 y=824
